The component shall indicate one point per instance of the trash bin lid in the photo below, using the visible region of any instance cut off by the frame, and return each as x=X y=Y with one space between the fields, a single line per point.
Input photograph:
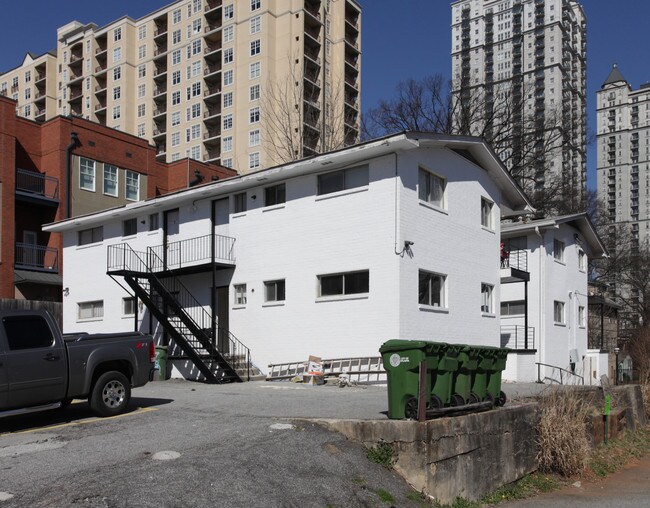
x=402 y=345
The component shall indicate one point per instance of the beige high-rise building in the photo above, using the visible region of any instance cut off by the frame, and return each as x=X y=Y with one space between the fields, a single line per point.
x=244 y=83
x=526 y=60
x=623 y=170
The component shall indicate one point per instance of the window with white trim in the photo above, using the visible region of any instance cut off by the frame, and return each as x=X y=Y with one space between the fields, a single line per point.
x=110 y=180
x=228 y=55
x=558 y=312
x=142 y=70
x=228 y=34
x=342 y=180
x=227 y=122
x=256 y=24
x=132 y=186
x=176 y=16
x=227 y=100
x=90 y=310
x=254 y=115
x=274 y=291
x=558 y=250
x=176 y=57
x=142 y=51
x=117 y=112
x=513 y=308
x=254 y=138
x=487 y=220
x=142 y=32
x=86 y=174
x=176 y=78
x=431 y=188
x=254 y=160
x=176 y=116
x=142 y=110
x=240 y=294
x=117 y=34
x=227 y=144
x=117 y=73
x=582 y=317
x=142 y=90
x=117 y=93
x=228 y=11
x=487 y=298
x=176 y=98
x=254 y=93
x=256 y=47
x=582 y=260
x=256 y=4
x=255 y=70
x=431 y=289
x=128 y=306
x=117 y=54
x=228 y=77
x=176 y=36
x=348 y=283
x=176 y=138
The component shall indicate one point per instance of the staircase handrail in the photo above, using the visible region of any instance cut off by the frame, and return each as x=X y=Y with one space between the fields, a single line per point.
x=539 y=379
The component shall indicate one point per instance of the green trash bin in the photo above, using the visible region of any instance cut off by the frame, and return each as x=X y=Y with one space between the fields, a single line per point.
x=487 y=357
x=443 y=362
x=494 y=379
x=161 y=363
x=401 y=359
x=464 y=375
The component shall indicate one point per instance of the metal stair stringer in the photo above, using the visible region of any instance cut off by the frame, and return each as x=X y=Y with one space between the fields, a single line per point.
x=176 y=335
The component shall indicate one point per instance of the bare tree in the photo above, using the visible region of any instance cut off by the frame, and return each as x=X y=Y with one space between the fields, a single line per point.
x=302 y=115
x=526 y=140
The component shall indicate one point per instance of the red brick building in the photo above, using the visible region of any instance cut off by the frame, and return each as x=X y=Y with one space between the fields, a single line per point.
x=63 y=168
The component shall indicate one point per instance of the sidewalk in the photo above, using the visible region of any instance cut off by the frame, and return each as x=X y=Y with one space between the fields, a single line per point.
x=628 y=488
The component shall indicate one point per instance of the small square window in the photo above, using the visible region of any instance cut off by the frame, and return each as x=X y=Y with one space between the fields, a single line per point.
x=239 y=202
x=128 y=306
x=558 y=312
x=431 y=188
x=240 y=294
x=275 y=195
x=487 y=220
x=129 y=227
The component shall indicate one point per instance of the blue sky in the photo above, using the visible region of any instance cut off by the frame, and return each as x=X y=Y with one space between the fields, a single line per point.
x=409 y=38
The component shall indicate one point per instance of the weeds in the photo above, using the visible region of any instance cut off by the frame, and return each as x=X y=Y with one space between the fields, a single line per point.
x=564 y=445
x=609 y=458
x=382 y=454
x=385 y=496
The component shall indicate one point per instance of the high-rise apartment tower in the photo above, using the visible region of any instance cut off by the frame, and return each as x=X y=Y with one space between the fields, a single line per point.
x=523 y=62
x=244 y=83
x=623 y=171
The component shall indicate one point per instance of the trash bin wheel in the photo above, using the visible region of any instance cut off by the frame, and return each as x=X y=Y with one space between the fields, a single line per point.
x=474 y=398
x=501 y=399
x=457 y=400
x=436 y=402
x=411 y=408
x=489 y=398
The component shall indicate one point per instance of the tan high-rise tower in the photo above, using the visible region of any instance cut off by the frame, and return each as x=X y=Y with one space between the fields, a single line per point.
x=245 y=83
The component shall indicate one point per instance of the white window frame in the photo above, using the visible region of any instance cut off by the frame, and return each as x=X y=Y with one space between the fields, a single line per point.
x=345 y=292
x=256 y=24
x=254 y=160
x=582 y=316
x=487 y=213
x=487 y=299
x=89 y=173
x=129 y=304
x=111 y=174
x=240 y=294
x=430 y=183
x=559 y=313
x=432 y=302
x=275 y=291
x=558 y=250
x=129 y=180
x=90 y=311
x=582 y=260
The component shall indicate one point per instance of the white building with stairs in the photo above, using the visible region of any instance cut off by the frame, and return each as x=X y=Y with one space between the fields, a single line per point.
x=397 y=238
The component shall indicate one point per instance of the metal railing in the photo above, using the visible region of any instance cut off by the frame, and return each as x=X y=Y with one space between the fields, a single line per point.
x=517 y=259
x=37 y=183
x=191 y=313
x=563 y=373
x=515 y=337
x=192 y=251
x=36 y=256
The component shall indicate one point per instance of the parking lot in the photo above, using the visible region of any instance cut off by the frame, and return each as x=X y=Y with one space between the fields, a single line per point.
x=228 y=445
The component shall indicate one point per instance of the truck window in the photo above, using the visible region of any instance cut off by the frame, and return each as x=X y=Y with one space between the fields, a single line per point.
x=27 y=332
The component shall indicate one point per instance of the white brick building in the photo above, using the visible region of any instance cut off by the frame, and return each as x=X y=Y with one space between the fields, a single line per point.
x=329 y=256
x=544 y=292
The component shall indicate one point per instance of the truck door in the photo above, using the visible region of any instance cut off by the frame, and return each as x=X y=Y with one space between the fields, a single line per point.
x=4 y=383
x=35 y=360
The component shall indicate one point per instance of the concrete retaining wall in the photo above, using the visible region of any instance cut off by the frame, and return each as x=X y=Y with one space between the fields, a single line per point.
x=467 y=456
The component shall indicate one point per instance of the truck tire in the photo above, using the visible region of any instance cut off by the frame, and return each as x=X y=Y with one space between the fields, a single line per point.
x=110 y=395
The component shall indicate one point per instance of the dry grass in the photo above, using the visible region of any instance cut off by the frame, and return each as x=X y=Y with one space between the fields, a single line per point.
x=644 y=381
x=563 y=433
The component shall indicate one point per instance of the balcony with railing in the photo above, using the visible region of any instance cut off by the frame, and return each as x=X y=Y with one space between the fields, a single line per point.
x=37 y=187
x=36 y=257
x=517 y=337
x=194 y=254
x=514 y=266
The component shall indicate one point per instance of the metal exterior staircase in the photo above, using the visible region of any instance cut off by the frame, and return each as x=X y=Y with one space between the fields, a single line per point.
x=220 y=356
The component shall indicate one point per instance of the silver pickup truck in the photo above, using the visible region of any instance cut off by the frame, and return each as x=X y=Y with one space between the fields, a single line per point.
x=41 y=369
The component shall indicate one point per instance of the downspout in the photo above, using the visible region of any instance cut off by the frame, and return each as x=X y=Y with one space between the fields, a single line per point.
x=74 y=142
x=541 y=304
